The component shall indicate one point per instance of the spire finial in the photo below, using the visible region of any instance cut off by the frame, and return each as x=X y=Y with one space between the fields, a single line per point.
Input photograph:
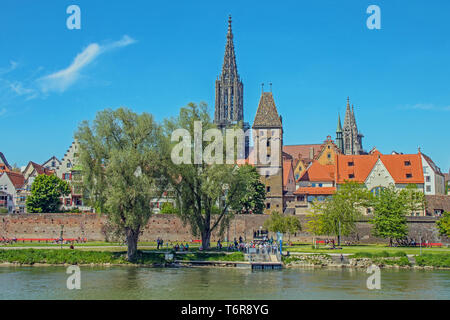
x=262 y=87
x=229 y=22
x=348 y=101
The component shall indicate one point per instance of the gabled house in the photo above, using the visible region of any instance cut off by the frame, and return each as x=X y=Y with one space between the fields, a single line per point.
x=52 y=164
x=374 y=170
x=10 y=185
x=434 y=178
x=31 y=171
x=70 y=171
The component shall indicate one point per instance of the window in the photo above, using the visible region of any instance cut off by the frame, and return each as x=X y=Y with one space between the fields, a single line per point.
x=376 y=191
x=407 y=163
x=351 y=163
x=351 y=176
x=320 y=185
x=428 y=178
x=329 y=155
x=408 y=175
x=268 y=205
x=268 y=189
x=428 y=188
x=313 y=185
x=268 y=142
x=68 y=165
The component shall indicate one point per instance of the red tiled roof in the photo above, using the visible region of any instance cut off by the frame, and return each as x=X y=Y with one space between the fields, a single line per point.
x=315 y=190
x=287 y=169
x=395 y=164
x=302 y=150
x=17 y=179
x=318 y=172
x=362 y=166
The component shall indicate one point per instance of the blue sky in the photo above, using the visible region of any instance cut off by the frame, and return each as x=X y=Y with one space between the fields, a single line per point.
x=158 y=56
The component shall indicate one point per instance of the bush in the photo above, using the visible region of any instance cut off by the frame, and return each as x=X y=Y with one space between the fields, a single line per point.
x=57 y=256
x=382 y=254
x=3 y=210
x=433 y=260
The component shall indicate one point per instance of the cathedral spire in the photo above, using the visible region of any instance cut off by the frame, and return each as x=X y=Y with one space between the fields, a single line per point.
x=339 y=126
x=229 y=106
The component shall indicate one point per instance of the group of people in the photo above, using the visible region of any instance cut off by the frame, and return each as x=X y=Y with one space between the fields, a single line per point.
x=268 y=246
x=181 y=247
x=409 y=242
x=7 y=240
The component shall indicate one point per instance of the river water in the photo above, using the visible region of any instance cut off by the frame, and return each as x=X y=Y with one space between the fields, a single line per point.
x=220 y=283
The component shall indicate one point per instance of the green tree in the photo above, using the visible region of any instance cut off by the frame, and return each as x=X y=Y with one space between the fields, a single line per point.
x=208 y=194
x=255 y=195
x=122 y=155
x=315 y=222
x=46 y=192
x=340 y=212
x=414 y=198
x=168 y=208
x=283 y=223
x=443 y=224
x=276 y=223
x=390 y=208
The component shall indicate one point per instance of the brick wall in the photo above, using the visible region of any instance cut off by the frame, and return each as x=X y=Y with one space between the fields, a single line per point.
x=170 y=227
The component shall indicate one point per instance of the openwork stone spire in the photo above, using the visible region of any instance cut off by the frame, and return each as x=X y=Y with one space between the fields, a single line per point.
x=351 y=138
x=229 y=106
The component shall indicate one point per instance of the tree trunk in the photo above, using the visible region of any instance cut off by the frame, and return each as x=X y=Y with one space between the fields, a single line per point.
x=132 y=241
x=206 y=238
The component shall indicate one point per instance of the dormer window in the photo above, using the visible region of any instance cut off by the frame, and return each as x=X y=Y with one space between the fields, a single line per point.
x=408 y=175
x=407 y=163
x=351 y=163
x=351 y=176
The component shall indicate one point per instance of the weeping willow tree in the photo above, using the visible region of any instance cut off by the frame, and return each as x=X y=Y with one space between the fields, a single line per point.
x=208 y=192
x=121 y=154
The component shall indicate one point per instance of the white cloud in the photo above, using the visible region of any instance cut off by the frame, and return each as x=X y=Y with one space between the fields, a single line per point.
x=61 y=80
x=12 y=66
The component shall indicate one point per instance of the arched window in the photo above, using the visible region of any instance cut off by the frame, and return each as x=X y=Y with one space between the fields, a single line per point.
x=376 y=190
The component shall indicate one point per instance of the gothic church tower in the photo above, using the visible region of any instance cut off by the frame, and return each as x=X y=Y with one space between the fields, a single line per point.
x=229 y=105
x=351 y=138
x=229 y=108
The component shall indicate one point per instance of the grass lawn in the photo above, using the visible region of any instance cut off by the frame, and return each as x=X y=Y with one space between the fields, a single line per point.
x=307 y=248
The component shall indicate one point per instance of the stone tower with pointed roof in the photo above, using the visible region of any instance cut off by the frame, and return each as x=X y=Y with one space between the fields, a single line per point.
x=268 y=144
x=351 y=138
x=229 y=104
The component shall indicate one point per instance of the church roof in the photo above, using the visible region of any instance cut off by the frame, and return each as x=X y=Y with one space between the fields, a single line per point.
x=267 y=114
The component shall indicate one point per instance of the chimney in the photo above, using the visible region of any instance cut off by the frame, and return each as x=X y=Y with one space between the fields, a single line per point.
x=311 y=153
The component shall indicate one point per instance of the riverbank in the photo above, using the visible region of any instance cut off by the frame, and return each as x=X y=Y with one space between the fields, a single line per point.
x=362 y=260
x=84 y=257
